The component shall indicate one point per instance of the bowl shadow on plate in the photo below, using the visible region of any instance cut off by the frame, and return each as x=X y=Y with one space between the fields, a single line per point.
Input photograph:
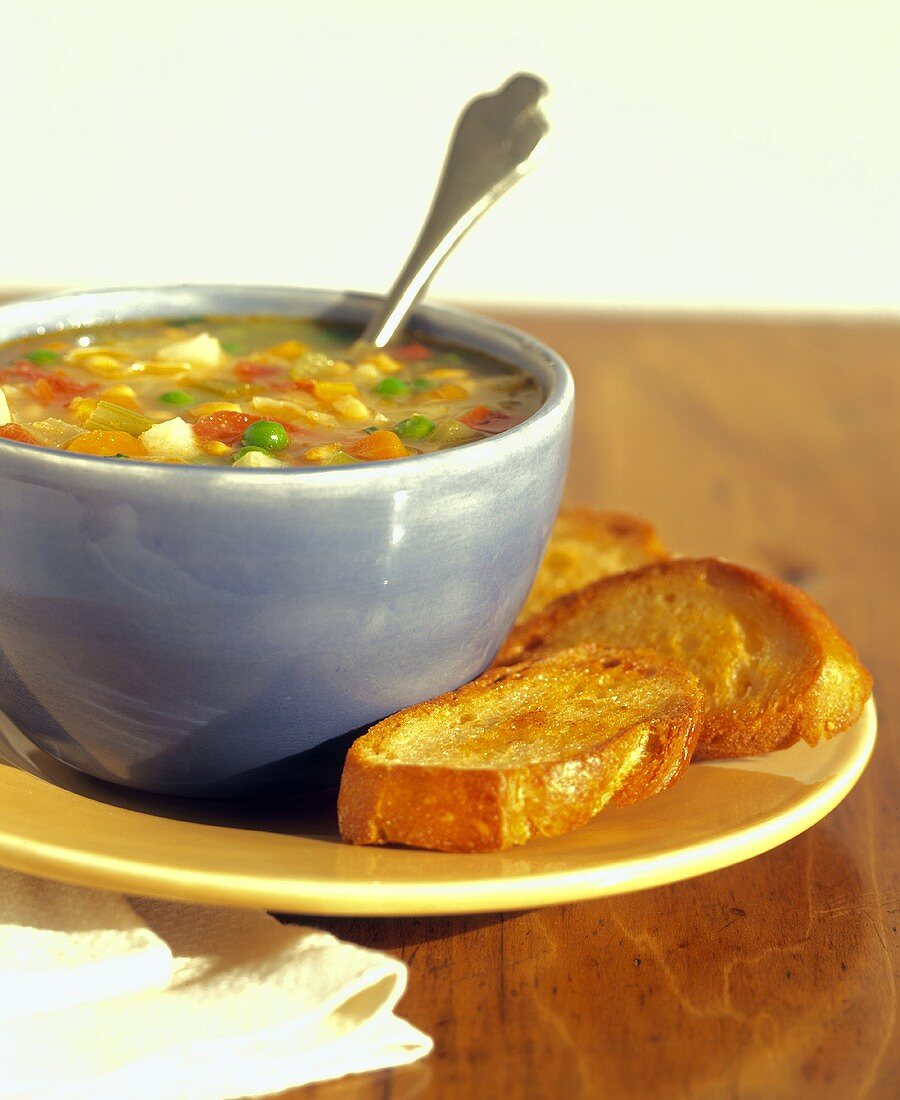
x=295 y=796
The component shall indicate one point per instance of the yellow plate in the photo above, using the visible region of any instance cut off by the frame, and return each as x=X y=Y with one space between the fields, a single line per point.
x=283 y=855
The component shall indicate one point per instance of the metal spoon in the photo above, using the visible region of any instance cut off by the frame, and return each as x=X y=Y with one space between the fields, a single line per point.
x=495 y=143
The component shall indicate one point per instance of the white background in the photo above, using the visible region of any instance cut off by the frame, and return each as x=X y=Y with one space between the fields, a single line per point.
x=704 y=154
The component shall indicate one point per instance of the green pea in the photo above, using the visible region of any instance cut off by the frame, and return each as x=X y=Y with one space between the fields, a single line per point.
x=42 y=356
x=176 y=397
x=422 y=384
x=415 y=427
x=246 y=450
x=268 y=435
x=392 y=386
x=232 y=347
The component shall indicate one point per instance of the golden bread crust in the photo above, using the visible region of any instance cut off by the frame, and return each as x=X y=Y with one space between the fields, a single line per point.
x=773 y=666
x=584 y=546
x=578 y=729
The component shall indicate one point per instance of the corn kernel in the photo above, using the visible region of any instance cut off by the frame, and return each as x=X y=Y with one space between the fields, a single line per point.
x=322 y=454
x=449 y=391
x=272 y=406
x=210 y=407
x=340 y=367
x=447 y=372
x=385 y=363
x=121 y=395
x=81 y=408
x=320 y=419
x=214 y=447
x=167 y=367
x=329 y=392
x=351 y=408
x=366 y=374
x=289 y=349
x=108 y=366
x=77 y=355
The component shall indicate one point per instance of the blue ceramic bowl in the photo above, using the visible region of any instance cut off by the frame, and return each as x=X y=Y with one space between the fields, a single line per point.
x=205 y=631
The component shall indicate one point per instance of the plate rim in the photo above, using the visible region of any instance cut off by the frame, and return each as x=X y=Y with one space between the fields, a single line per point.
x=448 y=896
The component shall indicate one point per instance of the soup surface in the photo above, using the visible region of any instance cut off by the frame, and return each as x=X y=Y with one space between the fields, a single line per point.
x=247 y=392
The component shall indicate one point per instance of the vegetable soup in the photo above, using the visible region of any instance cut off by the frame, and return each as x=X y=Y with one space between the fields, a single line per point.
x=251 y=392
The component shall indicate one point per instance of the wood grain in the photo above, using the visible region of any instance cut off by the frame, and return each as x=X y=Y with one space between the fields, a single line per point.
x=776 y=444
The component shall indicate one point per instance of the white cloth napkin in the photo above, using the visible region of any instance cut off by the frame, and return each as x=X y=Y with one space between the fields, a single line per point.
x=107 y=997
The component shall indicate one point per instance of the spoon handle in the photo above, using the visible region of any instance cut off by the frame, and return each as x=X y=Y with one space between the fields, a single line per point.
x=494 y=144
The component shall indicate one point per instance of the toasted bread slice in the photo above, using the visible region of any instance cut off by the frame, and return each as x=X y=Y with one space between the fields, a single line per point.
x=773 y=666
x=534 y=749
x=586 y=545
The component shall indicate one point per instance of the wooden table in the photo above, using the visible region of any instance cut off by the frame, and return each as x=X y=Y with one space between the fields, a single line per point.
x=776 y=444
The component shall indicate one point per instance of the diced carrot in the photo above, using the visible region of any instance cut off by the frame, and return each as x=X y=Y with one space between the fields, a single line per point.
x=411 y=351
x=378 y=445
x=229 y=427
x=108 y=444
x=474 y=416
x=307 y=385
x=490 y=421
x=60 y=388
x=247 y=370
x=17 y=433
x=226 y=427
x=22 y=371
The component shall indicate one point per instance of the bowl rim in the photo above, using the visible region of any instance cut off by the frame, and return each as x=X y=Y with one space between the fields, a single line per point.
x=24 y=316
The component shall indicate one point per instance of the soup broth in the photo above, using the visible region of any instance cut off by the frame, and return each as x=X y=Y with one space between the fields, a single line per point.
x=251 y=392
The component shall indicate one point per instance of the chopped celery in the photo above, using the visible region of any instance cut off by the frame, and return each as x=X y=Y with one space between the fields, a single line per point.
x=53 y=432
x=340 y=458
x=310 y=364
x=453 y=431
x=108 y=417
x=224 y=387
